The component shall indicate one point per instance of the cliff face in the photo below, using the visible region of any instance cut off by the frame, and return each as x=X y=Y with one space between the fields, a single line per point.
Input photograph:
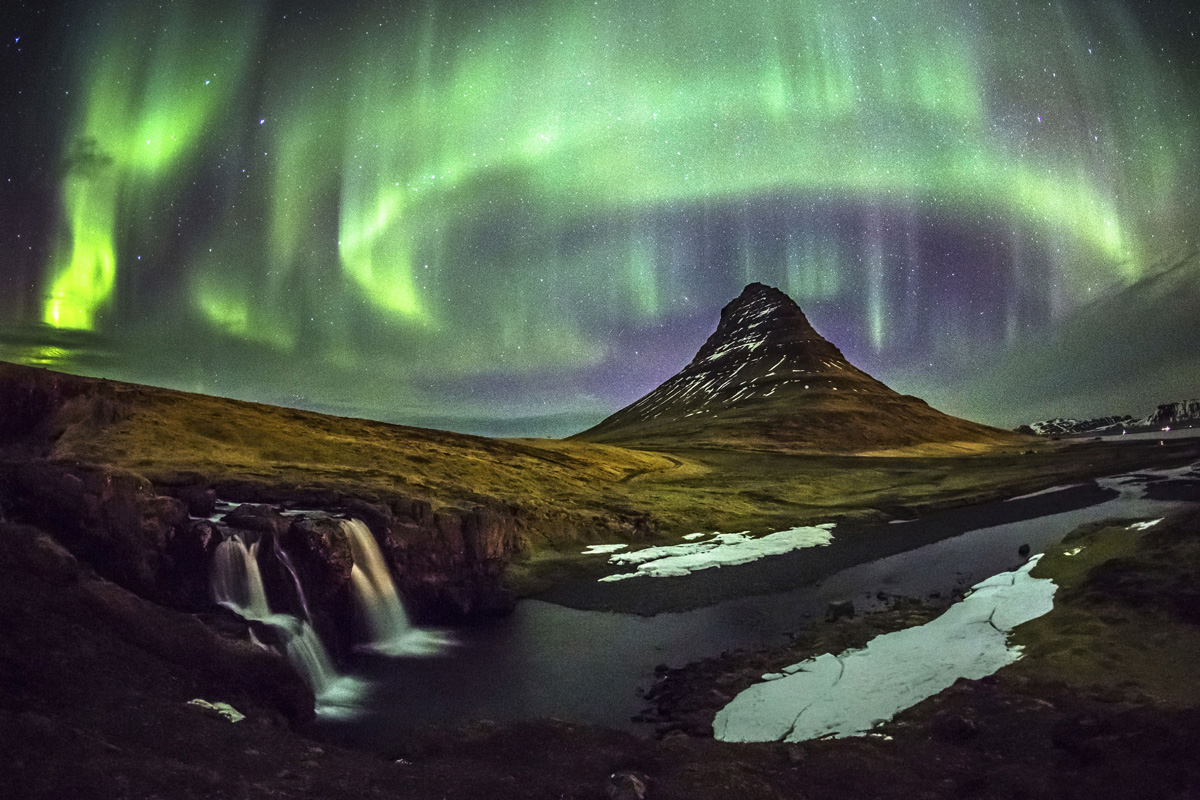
x=1173 y=413
x=125 y=475
x=156 y=536
x=449 y=564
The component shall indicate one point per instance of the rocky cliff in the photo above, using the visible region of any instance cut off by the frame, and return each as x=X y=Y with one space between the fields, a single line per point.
x=1173 y=414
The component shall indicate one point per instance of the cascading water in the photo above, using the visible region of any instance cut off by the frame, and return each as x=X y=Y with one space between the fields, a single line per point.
x=286 y=560
x=390 y=630
x=237 y=585
x=236 y=582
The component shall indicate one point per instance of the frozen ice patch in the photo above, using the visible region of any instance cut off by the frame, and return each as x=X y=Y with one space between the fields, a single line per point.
x=848 y=695
x=600 y=549
x=722 y=549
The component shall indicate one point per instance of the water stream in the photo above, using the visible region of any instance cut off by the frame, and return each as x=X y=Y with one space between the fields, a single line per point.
x=237 y=584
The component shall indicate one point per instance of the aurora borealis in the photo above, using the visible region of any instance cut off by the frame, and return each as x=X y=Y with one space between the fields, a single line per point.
x=457 y=214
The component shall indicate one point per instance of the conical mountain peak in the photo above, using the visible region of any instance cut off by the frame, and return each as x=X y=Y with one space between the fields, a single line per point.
x=766 y=379
x=763 y=320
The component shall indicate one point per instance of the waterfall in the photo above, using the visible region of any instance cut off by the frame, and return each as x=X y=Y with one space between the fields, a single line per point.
x=286 y=560
x=309 y=656
x=391 y=632
x=236 y=581
x=237 y=585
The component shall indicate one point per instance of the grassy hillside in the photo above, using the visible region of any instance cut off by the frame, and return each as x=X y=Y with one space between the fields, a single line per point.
x=567 y=490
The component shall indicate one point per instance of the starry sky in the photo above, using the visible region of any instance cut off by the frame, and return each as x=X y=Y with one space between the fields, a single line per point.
x=513 y=218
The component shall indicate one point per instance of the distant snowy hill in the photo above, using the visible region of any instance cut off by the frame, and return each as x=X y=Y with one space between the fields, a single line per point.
x=1178 y=413
x=1173 y=414
x=1063 y=425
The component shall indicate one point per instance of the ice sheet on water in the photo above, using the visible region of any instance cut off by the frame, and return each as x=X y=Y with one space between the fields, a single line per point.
x=847 y=695
x=1051 y=490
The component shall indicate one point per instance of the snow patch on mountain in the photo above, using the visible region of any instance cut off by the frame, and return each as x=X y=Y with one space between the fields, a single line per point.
x=1183 y=411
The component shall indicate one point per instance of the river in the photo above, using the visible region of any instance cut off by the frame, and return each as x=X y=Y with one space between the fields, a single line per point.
x=551 y=660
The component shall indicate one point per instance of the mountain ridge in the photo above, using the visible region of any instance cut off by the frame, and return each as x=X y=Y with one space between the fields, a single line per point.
x=1180 y=411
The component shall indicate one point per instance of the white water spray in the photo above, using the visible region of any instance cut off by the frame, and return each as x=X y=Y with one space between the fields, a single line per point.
x=391 y=632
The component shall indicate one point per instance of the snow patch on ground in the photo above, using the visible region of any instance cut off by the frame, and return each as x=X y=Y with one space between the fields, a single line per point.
x=1141 y=526
x=599 y=549
x=722 y=549
x=848 y=695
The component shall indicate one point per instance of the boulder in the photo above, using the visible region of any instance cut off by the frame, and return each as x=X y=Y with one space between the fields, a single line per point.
x=626 y=785
x=262 y=519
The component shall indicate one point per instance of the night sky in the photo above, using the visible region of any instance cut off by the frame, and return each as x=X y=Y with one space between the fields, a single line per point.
x=514 y=218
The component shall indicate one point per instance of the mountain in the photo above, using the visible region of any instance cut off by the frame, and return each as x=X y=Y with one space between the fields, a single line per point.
x=1173 y=414
x=766 y=379
x=1065 y=425
x=1186 y=412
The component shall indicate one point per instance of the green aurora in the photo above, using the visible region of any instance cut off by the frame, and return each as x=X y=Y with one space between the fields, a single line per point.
x=424 y=210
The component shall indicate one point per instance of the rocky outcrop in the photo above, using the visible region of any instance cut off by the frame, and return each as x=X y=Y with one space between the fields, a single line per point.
x=37 y=405
x=44 y=584
x=113 y=520
x=1173 y=414
x=448 y=563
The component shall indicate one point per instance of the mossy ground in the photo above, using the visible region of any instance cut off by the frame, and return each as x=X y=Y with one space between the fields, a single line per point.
x=566 y=492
